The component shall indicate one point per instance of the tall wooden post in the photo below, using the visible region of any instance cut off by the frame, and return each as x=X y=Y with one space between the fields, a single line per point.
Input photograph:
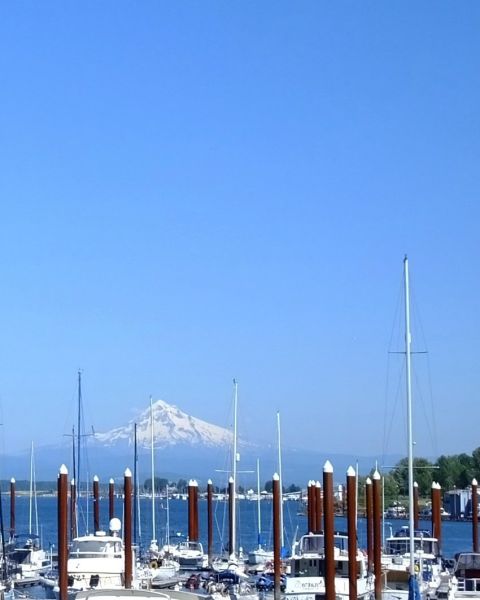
x=438 y=492
x=96 y=505
x=369 y=510
x=433 y=500
x=277 y=540
x=318 y=507
x=62 y=530
x=352 y=532
x=196 y=528
x=12 y=508
x=475 y=515
x=377 y=535
x=310 y=524
x=191 y=511
x=415 y=506
x=329 y=531
x=111 y=500
x=127 y=528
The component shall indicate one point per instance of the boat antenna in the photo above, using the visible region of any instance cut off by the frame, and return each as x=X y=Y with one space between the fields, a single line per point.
x=408 y=342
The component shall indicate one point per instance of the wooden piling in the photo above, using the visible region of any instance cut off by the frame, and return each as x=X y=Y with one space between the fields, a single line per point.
x=436 y=496
x=415 y=506
x=329 y=528
x=111 y=500
x=369 y=515
x=475 y=515
x=196 y=528
x=352 y=532
x=127 y=528
x=277 y=540
x=191 y=516
x=96 y=505
x=310 y=524
x=318 y=507
x=62 y=529
x=377 y=534
x=438 y=493
x=12 y=507
x=210 y=520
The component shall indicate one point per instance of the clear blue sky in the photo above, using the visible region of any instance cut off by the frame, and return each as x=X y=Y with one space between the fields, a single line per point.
x=193 y=191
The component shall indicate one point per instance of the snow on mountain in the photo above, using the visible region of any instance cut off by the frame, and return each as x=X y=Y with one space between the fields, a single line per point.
x=171 y=427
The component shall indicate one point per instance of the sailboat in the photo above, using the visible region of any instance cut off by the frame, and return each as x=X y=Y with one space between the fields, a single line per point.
x=160 y=567
x=411 y=565
x=31 y=559
x=259 y=556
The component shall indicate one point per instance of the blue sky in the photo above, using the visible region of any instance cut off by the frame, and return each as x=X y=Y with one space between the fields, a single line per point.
x=195 y=191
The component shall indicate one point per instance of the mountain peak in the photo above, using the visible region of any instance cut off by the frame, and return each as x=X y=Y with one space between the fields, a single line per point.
x=171 y=426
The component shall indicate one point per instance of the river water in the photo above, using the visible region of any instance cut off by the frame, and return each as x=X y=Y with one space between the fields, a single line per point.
x=456 y=535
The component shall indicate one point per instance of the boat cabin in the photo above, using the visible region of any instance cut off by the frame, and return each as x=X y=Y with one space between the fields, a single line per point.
x=400 y=543
x=467 y=572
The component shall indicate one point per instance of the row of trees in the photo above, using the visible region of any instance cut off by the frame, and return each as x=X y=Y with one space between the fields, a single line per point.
x=450 y=471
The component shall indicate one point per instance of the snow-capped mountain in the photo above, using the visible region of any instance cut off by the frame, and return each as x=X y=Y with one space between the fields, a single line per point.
x=171 y=427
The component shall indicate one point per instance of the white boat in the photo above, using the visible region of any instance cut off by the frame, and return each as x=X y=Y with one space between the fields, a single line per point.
x=29 y=557
x=97 y=560
x=467 y=574
x=307 y=567
x=259 y=556
x=190 y=555
x=429 y=570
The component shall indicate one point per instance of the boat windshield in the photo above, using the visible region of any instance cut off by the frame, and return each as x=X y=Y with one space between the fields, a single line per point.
x=402 y=546
x=468 y=561
x=314 y=544
x=96 y=548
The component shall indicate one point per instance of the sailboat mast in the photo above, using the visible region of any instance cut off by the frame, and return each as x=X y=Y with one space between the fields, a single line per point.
x=30 y=506
x=167 y=534
x=259 y=512
x=408 y=342
x=234 y=466
x=280 y=478
x=35 y=492
x=135 y=487
x=152 y=441
x=79 y=421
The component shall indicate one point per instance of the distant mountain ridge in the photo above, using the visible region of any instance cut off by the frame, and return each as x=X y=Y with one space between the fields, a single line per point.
x=171 y=427
x=186 y=447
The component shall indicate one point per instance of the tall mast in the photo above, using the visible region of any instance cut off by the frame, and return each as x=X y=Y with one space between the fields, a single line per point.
x=35 y=504
x=259 y=512
x=153 y=544
x=280 y=478
x=167 y=534
x=79 y=421
x=30 y=505
x=135 y=487
x=234 y=466
x=408 y=342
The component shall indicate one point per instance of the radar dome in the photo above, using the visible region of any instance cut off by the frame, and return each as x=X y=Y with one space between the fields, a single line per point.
x=115 y=525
